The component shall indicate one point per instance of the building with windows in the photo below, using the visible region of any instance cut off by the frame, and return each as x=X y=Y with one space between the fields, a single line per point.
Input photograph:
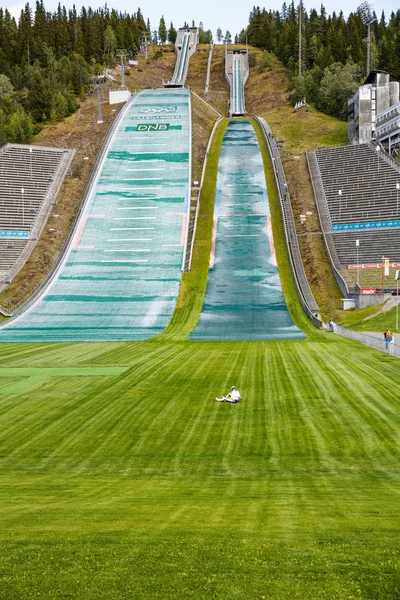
x=372 y=99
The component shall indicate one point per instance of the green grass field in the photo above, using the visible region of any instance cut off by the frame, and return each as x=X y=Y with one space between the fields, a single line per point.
x=121 y=477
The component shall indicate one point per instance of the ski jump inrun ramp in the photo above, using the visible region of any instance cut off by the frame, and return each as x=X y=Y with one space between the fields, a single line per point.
x=120 y=277
x=185 y=46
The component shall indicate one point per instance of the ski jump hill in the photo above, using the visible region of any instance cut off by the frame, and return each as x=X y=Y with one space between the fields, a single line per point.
x=120 y=276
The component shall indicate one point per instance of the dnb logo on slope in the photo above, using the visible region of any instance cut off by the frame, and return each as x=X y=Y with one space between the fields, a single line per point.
x=152 y=127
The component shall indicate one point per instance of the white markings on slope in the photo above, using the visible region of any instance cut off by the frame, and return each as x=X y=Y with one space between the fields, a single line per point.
x=129 y=240
x=138 y=207
x=142 y=187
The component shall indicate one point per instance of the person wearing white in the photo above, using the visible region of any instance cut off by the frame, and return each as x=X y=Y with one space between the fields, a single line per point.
x=233 y=397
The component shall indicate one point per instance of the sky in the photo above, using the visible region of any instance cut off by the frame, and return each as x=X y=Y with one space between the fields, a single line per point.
x=213 y=13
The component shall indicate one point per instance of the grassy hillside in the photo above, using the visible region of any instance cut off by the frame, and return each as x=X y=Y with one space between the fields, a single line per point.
x=372 y=318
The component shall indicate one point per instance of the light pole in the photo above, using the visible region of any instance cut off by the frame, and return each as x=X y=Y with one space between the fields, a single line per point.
x=365 y=12
x=397 y=189
x=340 y=203
x=377 y=154
x=358 y=266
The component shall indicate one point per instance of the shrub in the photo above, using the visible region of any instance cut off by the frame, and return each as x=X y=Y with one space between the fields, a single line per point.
x=267 y=62
x=252 y=59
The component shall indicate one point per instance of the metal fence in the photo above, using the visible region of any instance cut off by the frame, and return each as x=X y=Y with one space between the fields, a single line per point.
x=304 y=292
x=190 y=245
x=369 y=340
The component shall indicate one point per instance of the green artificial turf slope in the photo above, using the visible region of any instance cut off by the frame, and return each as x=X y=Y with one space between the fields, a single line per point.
x=132 y=482
x=141 y=485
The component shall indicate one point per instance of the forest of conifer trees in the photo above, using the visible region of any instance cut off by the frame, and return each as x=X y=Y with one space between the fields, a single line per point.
x=47 y=59
x=333 y=57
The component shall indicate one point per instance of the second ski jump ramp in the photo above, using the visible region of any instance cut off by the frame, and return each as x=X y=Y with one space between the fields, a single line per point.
x=236 y=73
x=185 y=46
x=121 y=276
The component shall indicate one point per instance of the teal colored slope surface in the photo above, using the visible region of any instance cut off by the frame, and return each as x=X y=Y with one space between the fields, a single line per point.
x=121 y=278
x=244 y=299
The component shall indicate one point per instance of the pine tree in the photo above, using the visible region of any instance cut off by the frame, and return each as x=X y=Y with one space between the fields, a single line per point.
x=24 y=36
x=172 y=34
x=162 y=31
x=228 y=38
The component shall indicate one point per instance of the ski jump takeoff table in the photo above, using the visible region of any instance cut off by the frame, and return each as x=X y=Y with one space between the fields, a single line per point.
x=244 y=299
x=121 y=277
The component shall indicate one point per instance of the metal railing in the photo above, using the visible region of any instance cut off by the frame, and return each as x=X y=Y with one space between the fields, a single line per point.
x=384 y=155
x=206 y=103
x=369 y=340
x=189 y=249
x=304 y=292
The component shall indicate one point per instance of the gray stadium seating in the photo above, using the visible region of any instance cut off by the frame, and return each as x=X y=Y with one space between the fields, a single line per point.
x=368 y=181
x=39 y=172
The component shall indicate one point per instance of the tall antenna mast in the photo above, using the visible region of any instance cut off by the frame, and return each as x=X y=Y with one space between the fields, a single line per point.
x=365 y=11
x=300 y=36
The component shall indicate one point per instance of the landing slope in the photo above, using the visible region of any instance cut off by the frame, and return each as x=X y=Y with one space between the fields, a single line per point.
x=121 y=278
x=244 y=299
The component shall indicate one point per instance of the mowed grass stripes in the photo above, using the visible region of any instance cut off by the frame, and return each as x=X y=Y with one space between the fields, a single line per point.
x=142 y=484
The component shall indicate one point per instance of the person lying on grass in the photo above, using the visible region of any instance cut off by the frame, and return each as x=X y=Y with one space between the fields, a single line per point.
x=233 y=397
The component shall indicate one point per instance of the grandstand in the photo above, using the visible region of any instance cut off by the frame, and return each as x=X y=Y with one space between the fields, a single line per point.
x=30 y=178
x=236 y=73
x=185 y=46
x=357 y=192
x=121 y=275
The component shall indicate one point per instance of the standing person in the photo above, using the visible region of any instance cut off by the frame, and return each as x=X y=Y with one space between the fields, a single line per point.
x=331 y=325
x=389 y=337
x=233 y=397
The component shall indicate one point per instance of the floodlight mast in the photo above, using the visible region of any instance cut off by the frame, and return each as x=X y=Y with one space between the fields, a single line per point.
x=365 y=12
